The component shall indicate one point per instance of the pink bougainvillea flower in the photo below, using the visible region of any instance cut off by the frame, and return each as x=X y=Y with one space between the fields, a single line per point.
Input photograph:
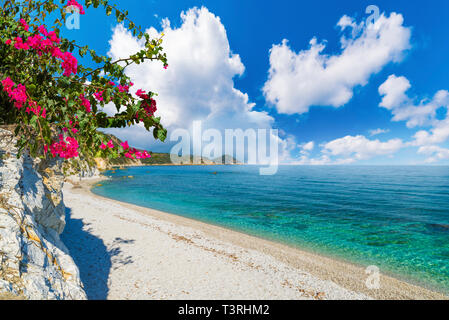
x=99 y=95
x=141 y=94
x=76 y=4
x=125 y=145
x=110 y=144
x=69 y=64
x=8 y=84
x=24 y=25
x=133 y=153
x=19 y=96
x=48 y=45
x=35 y=43
x=123 y=88
x=151 y=107
x=65 y=148
x=43 y=30
x=103 y=146
x=129 y=155
x=53 y=37
x=138 y=155
x=19 y=44
x=85 y=103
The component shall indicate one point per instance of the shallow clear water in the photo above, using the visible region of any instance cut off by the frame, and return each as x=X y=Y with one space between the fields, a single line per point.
x=394 y=217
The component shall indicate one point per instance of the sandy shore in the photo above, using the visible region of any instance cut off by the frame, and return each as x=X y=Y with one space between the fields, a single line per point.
x=129 y=252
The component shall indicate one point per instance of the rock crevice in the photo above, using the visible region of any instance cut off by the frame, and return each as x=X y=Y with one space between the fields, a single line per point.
x=34 y=262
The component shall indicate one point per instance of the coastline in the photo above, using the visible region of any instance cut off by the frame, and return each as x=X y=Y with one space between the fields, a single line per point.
x=115 y=167
x=319 y=277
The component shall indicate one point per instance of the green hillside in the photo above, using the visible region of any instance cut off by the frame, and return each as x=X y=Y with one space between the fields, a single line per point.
x=163 y=158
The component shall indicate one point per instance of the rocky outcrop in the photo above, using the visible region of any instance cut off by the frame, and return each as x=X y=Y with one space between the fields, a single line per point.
x=34 y=263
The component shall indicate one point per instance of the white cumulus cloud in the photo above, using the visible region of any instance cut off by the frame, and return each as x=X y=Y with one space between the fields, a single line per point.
x=361 y=148
x=395 y=98
x=308 y=146
x=435 y=153
x=438 y=134
x=198 y=84
x=376 y=132
x=348 y=150
x=418 y=114
x=297 y=81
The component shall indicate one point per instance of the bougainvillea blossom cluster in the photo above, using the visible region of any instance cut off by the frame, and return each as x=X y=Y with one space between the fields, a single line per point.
x=130 y=153
x=99 y=95
x=148 y=103
x=46 y=44
x=125 y=88
x=19 y=97
x=75 y=99
x=85 y=103
x=136 y=154
x=66 y=148
x=74 y=3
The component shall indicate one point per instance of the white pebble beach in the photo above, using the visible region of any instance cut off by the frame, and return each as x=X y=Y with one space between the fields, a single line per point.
x=128 y=252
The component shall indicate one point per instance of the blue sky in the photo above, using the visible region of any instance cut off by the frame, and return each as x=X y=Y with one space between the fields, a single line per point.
x=327 y=113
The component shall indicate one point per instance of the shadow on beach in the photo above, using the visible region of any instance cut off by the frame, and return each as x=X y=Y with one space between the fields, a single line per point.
x=92 y=256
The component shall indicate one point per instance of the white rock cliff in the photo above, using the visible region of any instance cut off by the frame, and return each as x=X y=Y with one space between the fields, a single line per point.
x=34 y=263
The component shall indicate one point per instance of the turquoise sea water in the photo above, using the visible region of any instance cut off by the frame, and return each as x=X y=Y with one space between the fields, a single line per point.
x=394 y=217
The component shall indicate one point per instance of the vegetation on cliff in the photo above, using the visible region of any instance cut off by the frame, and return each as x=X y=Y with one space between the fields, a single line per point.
x=163 y=158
